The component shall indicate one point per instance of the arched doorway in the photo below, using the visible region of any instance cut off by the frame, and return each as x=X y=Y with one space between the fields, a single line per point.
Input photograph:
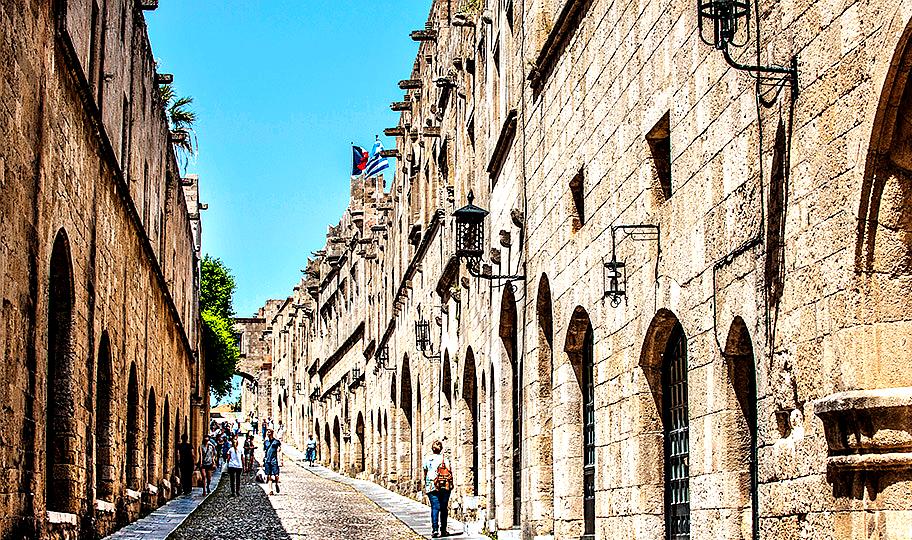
x=337 y=444
x=741 y=433
x=405 y=441
x=104 y=463
x=134 y=472
x=359 y=444
x=512 y=368
x=544 y=522
x=60 y=470
x=166 y=439
x=883 y=249
x=151 y=435
x=467 y=434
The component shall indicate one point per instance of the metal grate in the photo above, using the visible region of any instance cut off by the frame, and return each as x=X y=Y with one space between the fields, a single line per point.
x=588 y=436
x=677 y=428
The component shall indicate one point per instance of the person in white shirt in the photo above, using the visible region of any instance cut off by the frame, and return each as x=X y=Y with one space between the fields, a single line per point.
x=235 y=466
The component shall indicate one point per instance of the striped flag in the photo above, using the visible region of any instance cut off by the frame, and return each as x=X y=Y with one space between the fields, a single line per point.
x=377 y=163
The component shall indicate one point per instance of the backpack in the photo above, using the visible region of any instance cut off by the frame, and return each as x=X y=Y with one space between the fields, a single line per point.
x=444 y=480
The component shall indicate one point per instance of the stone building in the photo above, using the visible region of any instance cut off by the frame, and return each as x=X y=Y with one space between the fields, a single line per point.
x=688 y=315
x=99 y=255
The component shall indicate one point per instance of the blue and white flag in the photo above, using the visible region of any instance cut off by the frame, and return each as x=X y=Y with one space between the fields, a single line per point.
x=377 y=163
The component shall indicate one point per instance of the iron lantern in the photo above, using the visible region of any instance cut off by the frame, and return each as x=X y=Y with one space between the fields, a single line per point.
x=725 y=18
x=615 y=276
x=470 y=229
x=422 y=334
x=383 y=355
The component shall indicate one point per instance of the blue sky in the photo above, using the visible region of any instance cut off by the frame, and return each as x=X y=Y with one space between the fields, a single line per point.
x=281 y=89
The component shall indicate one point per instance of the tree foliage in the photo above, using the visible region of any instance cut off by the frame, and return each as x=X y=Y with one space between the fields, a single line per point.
x=217 y=287
x=219 y=346
x=182 y=120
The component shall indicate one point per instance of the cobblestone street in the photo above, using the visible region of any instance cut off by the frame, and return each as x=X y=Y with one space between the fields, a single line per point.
x=308 y=507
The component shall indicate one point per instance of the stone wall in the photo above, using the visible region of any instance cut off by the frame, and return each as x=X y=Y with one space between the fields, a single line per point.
x=745 y=376
x=97 y=276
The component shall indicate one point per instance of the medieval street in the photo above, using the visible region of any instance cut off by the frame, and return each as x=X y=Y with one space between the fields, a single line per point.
x=503 y=269
x=307 y=507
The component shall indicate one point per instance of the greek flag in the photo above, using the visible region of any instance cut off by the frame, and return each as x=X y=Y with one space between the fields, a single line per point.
x=377 y=163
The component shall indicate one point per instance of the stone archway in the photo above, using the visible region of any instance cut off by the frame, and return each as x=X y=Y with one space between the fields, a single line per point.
x=541 y=435
x=512 y=381
x=467 y=430
x=60 y=469
x=104 y=462
x=883 y=250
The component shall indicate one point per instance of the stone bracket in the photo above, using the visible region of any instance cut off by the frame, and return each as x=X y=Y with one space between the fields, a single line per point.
x=867 y=430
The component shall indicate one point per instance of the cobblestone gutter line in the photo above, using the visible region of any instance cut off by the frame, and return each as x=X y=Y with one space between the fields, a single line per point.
x=412 y=513
x=163 y=521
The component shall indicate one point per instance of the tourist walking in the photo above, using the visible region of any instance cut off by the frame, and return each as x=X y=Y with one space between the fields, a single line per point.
x=271 y=451
x=248 y=452
x=235 y=467
x=185 y=464
x=438 y=483
x=311 y=450
x=207 y=457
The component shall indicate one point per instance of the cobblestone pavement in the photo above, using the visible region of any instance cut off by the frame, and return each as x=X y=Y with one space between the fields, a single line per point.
x=308 y=507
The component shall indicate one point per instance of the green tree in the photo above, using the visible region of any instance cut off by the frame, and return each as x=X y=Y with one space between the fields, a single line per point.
x=219 y=346
x=217 y=287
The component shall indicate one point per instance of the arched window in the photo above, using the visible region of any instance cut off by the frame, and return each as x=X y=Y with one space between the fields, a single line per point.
x=588 y=390
x=60 y=436
x=577 y=379
x=104 y=466
x=133 y=470
x=544 y=524
x=677 y=436
x=359 y=443
x=742 y=435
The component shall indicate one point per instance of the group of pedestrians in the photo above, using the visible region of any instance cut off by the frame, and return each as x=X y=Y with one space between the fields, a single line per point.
x=222 y=443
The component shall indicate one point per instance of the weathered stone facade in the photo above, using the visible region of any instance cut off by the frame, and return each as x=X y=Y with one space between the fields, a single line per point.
x=99 y=255
x=751 y=382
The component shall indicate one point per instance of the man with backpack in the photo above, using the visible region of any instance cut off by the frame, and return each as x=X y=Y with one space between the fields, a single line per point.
x=438 y=483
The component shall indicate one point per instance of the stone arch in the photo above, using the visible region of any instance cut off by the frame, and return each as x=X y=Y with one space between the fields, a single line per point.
x=664 y=339
x=336 y=444
x=883 y=250
x=467 y=431
x=166 y=439
x=511 y=379
x=405 y=436
x=574 y=425
x=61 y=474
x=386 y=445
x=134 y=472
x=151 y=435
x=740 y=426
x=104 y=460
x=543 y=471
x=446 y=390
x=418 y=447
x=327 y=445
x=359 y=444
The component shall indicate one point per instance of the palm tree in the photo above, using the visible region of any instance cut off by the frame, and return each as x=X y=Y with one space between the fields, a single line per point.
x=181 y=120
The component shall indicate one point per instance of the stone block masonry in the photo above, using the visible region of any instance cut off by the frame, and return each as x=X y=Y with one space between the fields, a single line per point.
x=747 y=381
x=99 y=254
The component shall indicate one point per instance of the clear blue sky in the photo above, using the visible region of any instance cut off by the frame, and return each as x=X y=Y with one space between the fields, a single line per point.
x=281 y=89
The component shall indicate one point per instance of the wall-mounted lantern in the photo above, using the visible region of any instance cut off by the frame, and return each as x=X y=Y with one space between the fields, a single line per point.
x=299 y=389
x=614 y=272
x=383 y=360
x=470 y=238
x=422 y=334
x=720 y=24
x=615 y=278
